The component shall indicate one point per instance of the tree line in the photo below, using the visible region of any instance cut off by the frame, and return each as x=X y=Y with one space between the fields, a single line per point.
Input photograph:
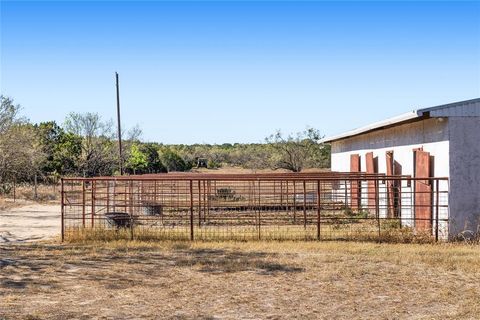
x=85 y=145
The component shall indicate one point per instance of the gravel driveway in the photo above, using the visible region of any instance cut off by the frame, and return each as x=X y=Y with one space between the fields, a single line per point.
x=29 y=223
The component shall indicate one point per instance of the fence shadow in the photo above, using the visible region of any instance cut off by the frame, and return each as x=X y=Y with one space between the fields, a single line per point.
x=25 y=266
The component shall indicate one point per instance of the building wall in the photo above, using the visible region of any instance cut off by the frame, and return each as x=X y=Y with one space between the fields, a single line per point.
x=430 y=134
x=464 y=174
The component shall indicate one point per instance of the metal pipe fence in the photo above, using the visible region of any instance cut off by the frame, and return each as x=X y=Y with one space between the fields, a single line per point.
x=312 y=206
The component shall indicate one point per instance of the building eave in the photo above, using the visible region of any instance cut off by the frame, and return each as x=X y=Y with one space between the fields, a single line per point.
x=406 y=117
x=415 y=115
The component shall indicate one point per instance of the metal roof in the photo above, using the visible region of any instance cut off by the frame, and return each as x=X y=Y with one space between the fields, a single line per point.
x=461 y=108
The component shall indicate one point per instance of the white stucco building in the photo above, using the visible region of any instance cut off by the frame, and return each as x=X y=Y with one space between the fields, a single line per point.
x=448 y=136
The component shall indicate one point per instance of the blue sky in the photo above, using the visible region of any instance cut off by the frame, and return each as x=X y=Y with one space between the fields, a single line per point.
x=236 y=71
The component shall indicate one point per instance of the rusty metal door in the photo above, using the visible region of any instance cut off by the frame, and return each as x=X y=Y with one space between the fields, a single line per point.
x=394 y=186
x=390 y=195
x=423 y=191
x=372 y=191
x=355 y=184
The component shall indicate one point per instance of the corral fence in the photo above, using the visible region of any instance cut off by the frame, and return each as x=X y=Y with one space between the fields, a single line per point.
x=38 y=189
x=310 y=206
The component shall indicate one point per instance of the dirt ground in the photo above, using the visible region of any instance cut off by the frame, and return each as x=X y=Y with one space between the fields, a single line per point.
x=228 y=280
x=29 y=222
x=43 y=279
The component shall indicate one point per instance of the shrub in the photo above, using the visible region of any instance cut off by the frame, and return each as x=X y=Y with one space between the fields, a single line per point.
x=173 y=162
x=5 y=188
x=212 y=164
x=391 y=224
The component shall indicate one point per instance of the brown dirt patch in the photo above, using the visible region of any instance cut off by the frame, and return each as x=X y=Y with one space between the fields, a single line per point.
x=258 y=280
x=29 y=222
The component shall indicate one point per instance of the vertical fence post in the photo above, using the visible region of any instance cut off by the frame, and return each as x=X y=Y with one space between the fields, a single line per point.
x=204 y=202
x=318 y=209
x=377 y=200
x=199 y=204
x=125 y=195
x=281 y=193
x=14 y=188
x=108 y=195
x=259 y=210
x=287 y=196
x=93 y=202
x=35 y=187
x=294 y=201
x=253 y=199
x=130 y=200
x=83 y=203
x=155 y=192
x=304 y=204
x=208 y=199
x=114 y=195
x=437 y=194
x=62 y=211
x=377 y=209
x=191 y=210
x=130 y=196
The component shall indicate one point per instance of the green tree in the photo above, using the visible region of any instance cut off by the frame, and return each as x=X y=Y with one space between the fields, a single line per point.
x=98 y=150
x=172 y=161
x=21 y=155
x=8 y=113
x=137 y=161
x=67 y=154
x=62 y=149
x=20 y=152
x=144 y=158
x=155 y=165
x=295 y=152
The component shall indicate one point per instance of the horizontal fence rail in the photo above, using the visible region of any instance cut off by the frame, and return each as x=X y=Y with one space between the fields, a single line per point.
x=311 y=206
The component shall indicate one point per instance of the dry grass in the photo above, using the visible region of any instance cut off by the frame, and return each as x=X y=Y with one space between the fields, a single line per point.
x=45 y=193
x=25 y=195
x=234 y=280
x=26 y=192
x=362 y=230
x=5 y=204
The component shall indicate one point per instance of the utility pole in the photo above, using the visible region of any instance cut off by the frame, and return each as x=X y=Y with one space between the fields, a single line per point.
x=119 y=126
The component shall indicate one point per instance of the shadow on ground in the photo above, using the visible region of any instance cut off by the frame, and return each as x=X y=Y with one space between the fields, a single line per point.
x=23 y=265
x=223 y=261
